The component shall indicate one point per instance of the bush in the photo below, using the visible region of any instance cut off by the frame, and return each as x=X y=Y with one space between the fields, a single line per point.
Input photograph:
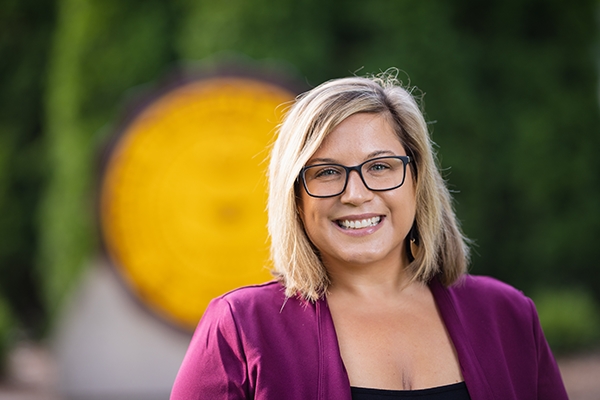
x=570 y=318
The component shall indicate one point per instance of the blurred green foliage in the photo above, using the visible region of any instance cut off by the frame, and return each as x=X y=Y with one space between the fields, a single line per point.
x=100 y=49
x=570 y=318
x=7 y=333
x=511 y=91
x=25 y=28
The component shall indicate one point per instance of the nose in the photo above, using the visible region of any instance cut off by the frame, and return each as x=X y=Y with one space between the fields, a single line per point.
x=356 y=192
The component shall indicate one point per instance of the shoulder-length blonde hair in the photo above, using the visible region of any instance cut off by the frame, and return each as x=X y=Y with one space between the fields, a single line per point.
x=442 y=246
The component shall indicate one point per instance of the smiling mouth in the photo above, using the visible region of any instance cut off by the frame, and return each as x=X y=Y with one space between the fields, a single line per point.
x=358 y=224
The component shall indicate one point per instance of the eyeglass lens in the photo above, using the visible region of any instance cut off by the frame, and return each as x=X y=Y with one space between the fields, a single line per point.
x=382 y=173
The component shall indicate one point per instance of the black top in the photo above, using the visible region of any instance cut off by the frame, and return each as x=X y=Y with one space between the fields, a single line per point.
x=455 y=391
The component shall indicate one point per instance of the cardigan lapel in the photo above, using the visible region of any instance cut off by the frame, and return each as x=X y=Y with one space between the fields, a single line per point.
x=333 y=378
x=477 y=383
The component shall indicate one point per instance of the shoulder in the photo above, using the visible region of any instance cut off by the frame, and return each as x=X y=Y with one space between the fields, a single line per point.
x=483 y=295
x=248 y=298
x=261 y=317
x=262 y=291
x=255 y=304
x=478 y=286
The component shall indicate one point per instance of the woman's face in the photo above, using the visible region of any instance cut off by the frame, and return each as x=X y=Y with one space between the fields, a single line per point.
x=388 y=215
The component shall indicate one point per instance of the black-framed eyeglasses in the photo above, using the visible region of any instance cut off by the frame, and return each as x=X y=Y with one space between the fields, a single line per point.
x=378 y=174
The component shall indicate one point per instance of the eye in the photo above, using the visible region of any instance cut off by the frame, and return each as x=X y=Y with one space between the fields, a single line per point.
x=378 y=168
x=324 y=172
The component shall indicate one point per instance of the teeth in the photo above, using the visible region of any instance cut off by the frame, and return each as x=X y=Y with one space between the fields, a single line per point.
x=354 y=224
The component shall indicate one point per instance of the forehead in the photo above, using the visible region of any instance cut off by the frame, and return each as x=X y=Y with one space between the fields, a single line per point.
x=360 y=136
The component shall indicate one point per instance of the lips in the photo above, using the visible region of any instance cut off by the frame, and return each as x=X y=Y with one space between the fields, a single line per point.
x=359 y=223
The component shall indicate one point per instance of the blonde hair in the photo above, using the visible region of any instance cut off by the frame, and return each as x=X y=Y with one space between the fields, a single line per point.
x=442 y=246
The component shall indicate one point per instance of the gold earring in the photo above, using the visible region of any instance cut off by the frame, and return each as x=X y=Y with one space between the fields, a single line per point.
x=414 y=247
x=413 y=243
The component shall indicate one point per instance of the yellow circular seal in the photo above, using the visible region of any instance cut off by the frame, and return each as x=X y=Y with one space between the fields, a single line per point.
x=183 y=194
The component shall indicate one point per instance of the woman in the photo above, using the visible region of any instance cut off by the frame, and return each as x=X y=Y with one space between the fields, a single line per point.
x=371 y=299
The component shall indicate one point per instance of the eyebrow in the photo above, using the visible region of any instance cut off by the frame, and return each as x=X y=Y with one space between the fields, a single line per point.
x=374 y=154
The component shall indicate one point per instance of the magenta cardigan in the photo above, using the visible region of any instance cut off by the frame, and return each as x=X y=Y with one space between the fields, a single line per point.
x=252 y=343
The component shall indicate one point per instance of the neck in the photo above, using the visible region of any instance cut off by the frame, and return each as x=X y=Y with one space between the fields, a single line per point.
x=380 y=280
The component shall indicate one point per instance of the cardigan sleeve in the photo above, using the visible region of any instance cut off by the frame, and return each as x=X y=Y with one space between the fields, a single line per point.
x=550 y=384
x=214 y=366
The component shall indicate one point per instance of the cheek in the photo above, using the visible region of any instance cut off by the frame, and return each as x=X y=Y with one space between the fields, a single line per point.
x=405 y=209
x=308 y=215
x=305 y=212
x=412 y=206
x=313 y=214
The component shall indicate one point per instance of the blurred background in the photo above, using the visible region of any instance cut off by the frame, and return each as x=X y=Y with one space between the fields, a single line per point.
x=510 y=88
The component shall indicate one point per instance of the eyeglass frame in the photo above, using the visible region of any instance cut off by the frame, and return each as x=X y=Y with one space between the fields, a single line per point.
x=358 y=168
